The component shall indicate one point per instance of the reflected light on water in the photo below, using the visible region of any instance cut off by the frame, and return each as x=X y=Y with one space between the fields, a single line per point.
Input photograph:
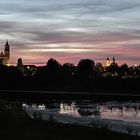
x=126 y=112
x=117 y=116
x=34 y=107
x=69 y=109
x=129 y=112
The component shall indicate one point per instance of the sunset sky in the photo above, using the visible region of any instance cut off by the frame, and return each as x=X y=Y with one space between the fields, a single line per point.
x=69 y=30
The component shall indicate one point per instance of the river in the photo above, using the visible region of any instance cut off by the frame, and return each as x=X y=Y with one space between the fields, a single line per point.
x=117 y=116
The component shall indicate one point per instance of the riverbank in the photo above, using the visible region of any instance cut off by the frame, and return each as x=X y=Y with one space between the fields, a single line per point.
x=40 y=130
x=41 y=96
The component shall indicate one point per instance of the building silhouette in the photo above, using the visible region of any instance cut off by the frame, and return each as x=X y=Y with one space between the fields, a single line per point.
x=5 y=55
x=110 y=62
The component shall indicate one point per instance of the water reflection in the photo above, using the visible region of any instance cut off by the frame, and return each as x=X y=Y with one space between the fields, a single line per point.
x=34 y=107
x=69 y=109
x=124 y=111
x=111 y=110
x=117 y=116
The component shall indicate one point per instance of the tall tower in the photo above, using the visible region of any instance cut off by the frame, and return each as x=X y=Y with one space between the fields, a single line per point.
x=107 y=62
x=113 y=60
x=7 y=53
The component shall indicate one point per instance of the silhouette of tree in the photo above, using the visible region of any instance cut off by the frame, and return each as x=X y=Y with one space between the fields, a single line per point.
x=20 y=65
x=114 y=69
x=53 y=65
x=14 y=73
x=53 y=70
x=9 y=77
x=86 y=68
x=41 y=73
x=124 y=70
x=99 y=69
x=9 y=73
x=19 y=62
x=67 y=72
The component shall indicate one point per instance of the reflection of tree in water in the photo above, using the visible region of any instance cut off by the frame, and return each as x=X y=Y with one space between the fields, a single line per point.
x=121 y=110
x=89 y=112
x=135 y=110
x=129 y=110
x=84 y=112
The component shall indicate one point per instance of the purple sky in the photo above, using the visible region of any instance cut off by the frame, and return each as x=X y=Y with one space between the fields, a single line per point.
x=70 y=30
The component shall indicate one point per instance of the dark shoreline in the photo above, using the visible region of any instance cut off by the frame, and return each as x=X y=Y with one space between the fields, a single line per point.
x=16 y=124
x=42 y=96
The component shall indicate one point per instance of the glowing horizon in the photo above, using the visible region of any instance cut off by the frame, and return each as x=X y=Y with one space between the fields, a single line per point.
x=71 y=30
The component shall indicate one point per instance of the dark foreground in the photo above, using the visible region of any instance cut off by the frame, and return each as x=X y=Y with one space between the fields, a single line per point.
x=15 y=124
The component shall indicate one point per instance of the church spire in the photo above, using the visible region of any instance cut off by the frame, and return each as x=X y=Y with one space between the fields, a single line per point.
x=113 y=59
x=7 y=43
x=7 y=49
x=107 y=58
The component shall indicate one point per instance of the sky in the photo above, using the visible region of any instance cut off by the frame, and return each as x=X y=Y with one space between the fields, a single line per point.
x=70 y=30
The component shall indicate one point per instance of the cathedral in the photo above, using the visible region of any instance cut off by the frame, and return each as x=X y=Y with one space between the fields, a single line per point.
x=110 y=62
x=5 y=56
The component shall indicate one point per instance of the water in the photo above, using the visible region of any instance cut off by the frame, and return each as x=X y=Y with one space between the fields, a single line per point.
x=117 y=116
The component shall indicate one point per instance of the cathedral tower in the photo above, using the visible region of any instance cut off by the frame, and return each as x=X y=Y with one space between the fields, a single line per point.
x=113 y=60
x=5 y=56
x=7 y=53
x=107 y=62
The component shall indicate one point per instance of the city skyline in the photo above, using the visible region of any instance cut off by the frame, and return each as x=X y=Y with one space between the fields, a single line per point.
x=71 y=30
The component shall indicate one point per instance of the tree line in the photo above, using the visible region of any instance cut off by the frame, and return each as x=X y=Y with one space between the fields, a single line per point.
x=86 y=76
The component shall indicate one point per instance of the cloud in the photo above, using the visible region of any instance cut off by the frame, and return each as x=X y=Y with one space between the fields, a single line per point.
x=79 y=28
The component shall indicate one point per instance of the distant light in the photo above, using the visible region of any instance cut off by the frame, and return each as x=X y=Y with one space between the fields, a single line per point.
x=136 y=65
x=8 y=65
